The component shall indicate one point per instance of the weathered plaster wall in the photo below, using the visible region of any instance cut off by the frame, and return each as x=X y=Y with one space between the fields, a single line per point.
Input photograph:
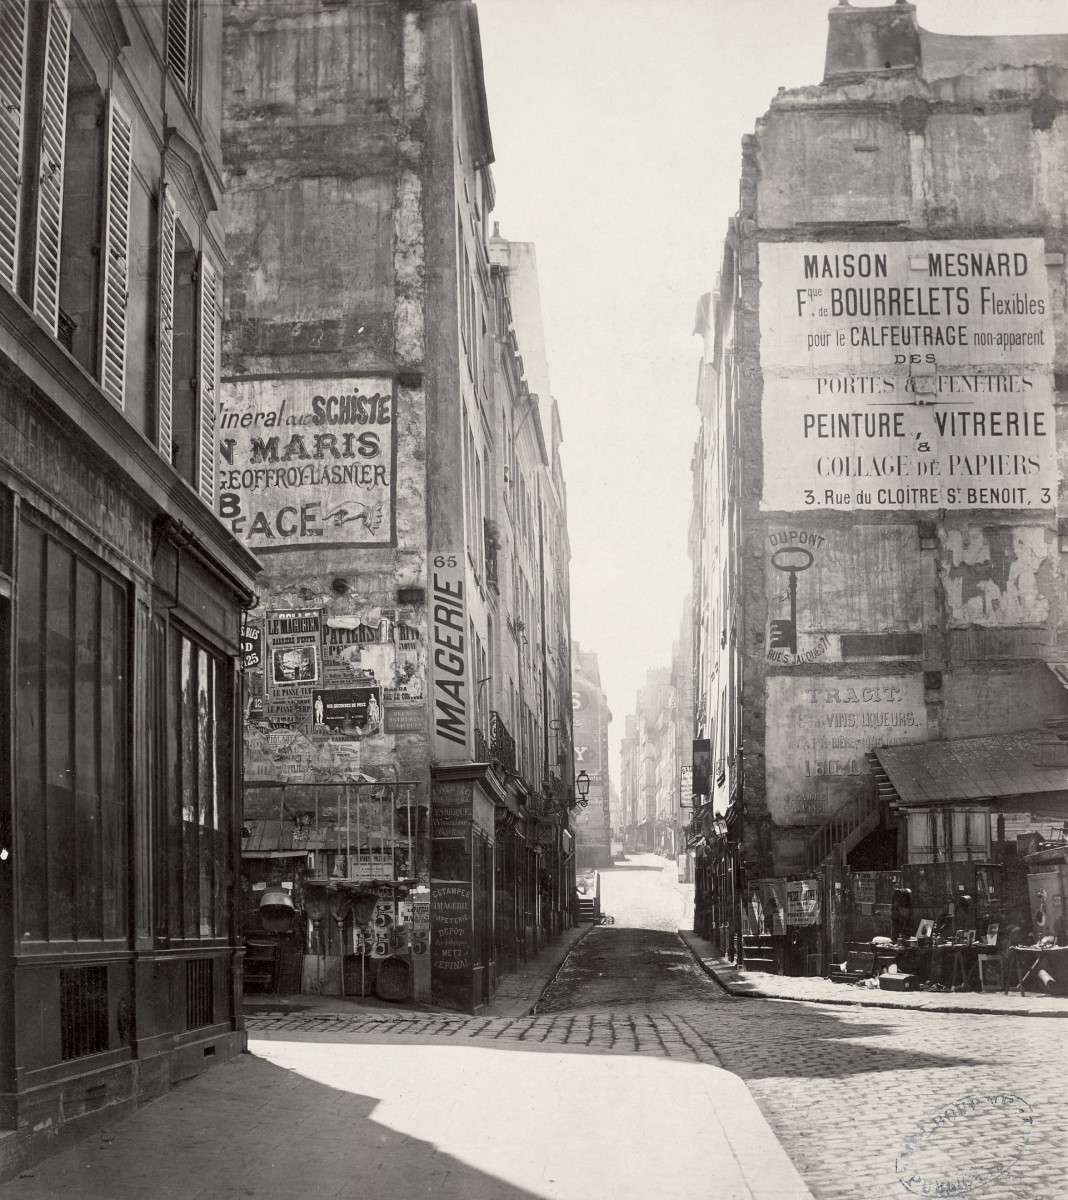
x=958 y=607
x=325 y=145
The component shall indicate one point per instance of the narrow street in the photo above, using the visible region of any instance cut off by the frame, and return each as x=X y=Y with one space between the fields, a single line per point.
x=383 y=1104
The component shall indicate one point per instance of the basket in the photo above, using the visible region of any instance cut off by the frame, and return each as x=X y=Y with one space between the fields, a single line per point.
x=394 y=979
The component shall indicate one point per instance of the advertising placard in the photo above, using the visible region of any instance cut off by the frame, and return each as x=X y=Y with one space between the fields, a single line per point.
x=802 y=902
x=308 y=464
x=449 y=655
x=907 y=375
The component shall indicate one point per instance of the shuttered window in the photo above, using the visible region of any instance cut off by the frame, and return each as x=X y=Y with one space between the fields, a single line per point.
x=115 y=252
x=50 y=182
x=12 y=102
x=182 y=17
x=209 y=380
x=165 y=340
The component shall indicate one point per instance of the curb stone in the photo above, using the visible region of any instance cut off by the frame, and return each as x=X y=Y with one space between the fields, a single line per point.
x=759 y=992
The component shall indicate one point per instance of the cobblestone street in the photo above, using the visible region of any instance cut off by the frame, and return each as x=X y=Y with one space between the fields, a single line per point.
x=637 y=1069
x=847 y=1091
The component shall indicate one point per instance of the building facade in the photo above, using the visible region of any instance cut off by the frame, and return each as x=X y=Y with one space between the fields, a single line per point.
x=382 y=449
x=121 y=593
x=877 y=527
x=592 y=716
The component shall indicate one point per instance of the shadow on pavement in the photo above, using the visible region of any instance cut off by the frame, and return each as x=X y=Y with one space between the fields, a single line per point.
x=254 y=1129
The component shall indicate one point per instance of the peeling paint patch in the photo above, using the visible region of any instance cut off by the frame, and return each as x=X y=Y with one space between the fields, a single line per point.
x=991 y=575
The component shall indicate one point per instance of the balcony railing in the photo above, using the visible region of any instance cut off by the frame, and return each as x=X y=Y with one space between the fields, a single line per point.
x=502 y=744
x=482 y=747
x=492 y=538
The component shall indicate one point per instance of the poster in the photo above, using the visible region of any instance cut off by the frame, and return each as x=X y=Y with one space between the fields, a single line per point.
x=346 y=710
x=766 y=907
x=308 y=464
x=293 y=665
x=907 y=375
x=802 y=902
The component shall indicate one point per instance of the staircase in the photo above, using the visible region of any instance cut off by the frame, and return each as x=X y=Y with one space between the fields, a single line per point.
x=587 y=910
x=758 y=953
x=849 y=825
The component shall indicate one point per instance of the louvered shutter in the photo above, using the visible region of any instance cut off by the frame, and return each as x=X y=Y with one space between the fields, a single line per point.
x=180 y=29
x=50 y=190
x=12 y=102
x=165 y=336
x=116 y=247
x=209 y=379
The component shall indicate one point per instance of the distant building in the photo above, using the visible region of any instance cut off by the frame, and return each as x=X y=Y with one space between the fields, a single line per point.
x=383 y=447
x=592 y=716
x=879 y=602
x=120 y=592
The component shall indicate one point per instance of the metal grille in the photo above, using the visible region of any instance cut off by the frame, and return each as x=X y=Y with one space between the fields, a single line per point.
x=83 y=1011
x=199 y=992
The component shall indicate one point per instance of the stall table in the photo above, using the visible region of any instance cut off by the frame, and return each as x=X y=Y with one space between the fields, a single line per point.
x=1025 y=961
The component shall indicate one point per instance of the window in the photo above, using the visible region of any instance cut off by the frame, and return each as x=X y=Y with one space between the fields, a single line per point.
x=948 y=835
x=65 y=178
x=192 y=698
x=72 y=708
x=183 y=46
x=13 y=31
x=189 y=306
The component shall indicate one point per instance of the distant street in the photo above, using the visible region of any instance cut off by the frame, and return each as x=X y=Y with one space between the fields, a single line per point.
x=636 y=1077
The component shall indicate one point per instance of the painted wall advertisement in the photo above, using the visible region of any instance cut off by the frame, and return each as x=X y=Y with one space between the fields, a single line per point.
x=813 y=601
x=907 y=375
x=819 y=730
x=325 y=684
x=449 y=655
x=308 y=464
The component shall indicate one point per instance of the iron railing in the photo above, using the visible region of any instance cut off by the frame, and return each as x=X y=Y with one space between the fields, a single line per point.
x=483 y=753
x=502 y=744
x=491 y=539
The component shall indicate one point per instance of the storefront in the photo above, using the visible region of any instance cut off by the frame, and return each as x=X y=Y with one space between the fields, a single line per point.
x=979 y=899
x=335 y=889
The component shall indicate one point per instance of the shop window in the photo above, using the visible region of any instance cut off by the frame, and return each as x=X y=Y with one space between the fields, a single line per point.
x=72 y=704
x=183 y=46
x=194 y=829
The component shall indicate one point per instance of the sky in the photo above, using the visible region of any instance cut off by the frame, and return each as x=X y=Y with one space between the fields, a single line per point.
x=617 y=128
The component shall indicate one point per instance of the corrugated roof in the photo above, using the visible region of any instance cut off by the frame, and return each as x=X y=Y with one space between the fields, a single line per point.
x=980 y=768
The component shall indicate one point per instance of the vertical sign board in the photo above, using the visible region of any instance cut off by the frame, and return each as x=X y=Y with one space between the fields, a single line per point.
x=308 y=464
x=448 y=657
x=451 y=898
x=907 y=375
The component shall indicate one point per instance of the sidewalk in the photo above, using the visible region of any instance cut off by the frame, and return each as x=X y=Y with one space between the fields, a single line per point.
x=761 y=985
x=516 y=995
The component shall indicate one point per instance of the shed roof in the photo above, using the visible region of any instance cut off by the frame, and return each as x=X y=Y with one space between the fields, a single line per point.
x=1031 y=764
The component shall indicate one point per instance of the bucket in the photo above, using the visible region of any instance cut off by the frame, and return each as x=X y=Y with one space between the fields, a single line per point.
x=277 y=911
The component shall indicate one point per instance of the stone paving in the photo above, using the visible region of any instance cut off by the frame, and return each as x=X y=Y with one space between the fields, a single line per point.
x=636 y=1076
